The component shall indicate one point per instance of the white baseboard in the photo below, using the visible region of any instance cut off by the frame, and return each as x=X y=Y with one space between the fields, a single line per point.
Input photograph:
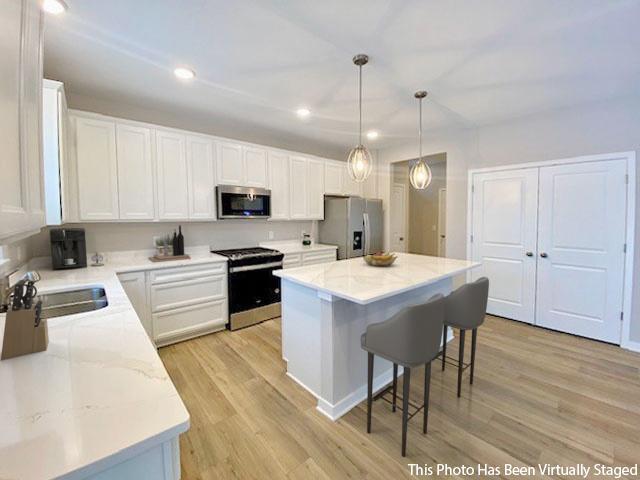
x=631 y=345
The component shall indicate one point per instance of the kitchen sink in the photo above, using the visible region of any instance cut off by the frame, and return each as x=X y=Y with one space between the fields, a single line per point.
x=73 y=301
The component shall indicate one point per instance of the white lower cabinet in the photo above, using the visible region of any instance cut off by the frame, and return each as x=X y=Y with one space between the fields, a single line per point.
x=179 y=303
x=314 y=257
x=135 y=286
x=188 y=301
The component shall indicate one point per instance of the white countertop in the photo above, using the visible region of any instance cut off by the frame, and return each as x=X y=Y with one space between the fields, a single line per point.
x=358 y=282
x=295 y=246
x=98 y=395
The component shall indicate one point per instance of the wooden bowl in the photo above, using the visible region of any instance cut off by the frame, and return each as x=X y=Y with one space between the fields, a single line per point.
x=380 y=259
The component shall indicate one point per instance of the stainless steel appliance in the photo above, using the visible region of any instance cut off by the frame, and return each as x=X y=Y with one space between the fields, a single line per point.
x=68 y=248
x=354 y=224
x=243 y=202
x=254 y=292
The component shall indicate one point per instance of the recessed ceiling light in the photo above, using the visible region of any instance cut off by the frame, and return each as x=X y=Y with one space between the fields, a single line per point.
x=184 y=73
x=303 y=112
x=55 y=7
x=372 y=134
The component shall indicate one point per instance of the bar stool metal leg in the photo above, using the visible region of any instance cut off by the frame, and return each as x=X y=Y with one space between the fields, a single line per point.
x=474 y=338
x=444 y=345
x=460 y=360
x=369 y=390
x=427 y=381
x=395 y=386
x=406 y=381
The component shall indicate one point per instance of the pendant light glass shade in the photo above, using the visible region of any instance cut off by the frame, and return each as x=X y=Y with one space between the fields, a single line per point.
x=359 y=162
x=420 y=173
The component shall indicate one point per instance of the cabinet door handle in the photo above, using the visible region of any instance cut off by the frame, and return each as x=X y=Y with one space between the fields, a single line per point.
x=544 y=255
x=529 y=254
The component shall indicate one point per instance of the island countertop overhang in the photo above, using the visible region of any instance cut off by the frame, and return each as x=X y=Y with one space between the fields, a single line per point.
x=355 y=281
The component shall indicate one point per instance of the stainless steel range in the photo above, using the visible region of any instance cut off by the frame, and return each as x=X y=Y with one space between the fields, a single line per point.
x=254 y=292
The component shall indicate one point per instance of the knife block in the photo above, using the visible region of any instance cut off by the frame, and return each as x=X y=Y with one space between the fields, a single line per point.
x=21 y=336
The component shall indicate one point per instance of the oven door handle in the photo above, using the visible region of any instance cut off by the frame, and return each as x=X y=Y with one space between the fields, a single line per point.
x=261 y=266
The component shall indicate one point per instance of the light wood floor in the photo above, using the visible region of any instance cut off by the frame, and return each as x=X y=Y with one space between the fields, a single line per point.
x=538 y=397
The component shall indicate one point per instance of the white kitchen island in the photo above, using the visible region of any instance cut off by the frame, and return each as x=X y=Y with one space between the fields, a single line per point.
x=327 y=307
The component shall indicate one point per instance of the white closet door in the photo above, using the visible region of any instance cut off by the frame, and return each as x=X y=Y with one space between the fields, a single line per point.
x=504 y=240
x=173 y=199
x=581 y=238
x=135 y=172
x=200 y=169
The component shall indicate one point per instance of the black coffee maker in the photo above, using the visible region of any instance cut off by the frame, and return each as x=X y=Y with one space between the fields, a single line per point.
x=68 y=248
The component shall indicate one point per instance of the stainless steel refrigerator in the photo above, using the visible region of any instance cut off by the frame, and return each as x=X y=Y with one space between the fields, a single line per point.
x=354 y=224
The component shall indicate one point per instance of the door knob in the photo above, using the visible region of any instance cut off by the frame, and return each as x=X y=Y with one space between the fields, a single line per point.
x=529 y=254
x=544 y=255
x=401 y=239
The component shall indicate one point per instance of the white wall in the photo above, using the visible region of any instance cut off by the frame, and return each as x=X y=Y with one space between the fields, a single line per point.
x=602 y=127
x=113 y=237
x=13 y=255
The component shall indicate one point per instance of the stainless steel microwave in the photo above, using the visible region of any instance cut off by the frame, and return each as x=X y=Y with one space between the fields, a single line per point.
x=243 y=202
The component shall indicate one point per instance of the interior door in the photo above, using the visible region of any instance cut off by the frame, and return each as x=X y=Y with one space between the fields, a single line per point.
x=504 y=240
x=442 y=222
x=581 y=237
x=398 y=217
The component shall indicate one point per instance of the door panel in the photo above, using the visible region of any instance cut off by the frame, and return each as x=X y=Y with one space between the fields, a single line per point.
x=97 y=169
x=135 y=172
x=298 y=187
x=200 y=170
x=173 y=199
x=256 y=171
x=581 y=231
x=398 y=217
x=229 y=164
x=504 y=231
x=279 y=182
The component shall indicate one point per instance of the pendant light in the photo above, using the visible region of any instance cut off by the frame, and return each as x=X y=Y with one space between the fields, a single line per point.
x=359 y=162
x=420 y=173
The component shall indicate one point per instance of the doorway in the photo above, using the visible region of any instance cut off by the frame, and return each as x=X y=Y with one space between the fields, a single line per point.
x=418 y=217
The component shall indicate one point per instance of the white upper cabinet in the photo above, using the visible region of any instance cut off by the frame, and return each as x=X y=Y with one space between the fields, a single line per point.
x=315 y=189
x=229 y=164
x=97 y=169
x=334 y=177
x=21 y=195
x=307 y=188
x=279 y=182
x=201 y=181
x=136 y=176
x=173 y=198
x=298 y=188
x=256 y=167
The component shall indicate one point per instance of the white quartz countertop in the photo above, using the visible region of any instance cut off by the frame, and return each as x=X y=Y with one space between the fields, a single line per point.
x=98 y=395
x=295 y=246
x=358 y=282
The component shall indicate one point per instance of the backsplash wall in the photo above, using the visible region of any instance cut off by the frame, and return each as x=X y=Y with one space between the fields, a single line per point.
x=112 y=237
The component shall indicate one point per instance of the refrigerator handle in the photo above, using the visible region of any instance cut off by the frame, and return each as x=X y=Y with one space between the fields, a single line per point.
x=366 y=233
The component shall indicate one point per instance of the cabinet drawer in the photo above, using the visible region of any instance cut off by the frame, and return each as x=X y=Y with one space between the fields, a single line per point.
x=166 y=296
x=291 y=260
x=186 y=273
x=323 y=256
x=187 y=322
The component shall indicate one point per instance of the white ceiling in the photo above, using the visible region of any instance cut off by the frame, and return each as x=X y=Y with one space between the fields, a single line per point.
x=483 y=61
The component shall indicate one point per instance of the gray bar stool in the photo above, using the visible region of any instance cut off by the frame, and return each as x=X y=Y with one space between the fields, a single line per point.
x=465 y=309
x=410 y=338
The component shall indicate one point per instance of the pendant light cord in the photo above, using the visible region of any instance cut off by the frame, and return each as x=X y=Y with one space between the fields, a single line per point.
x=360 y=103
x=420 y=131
